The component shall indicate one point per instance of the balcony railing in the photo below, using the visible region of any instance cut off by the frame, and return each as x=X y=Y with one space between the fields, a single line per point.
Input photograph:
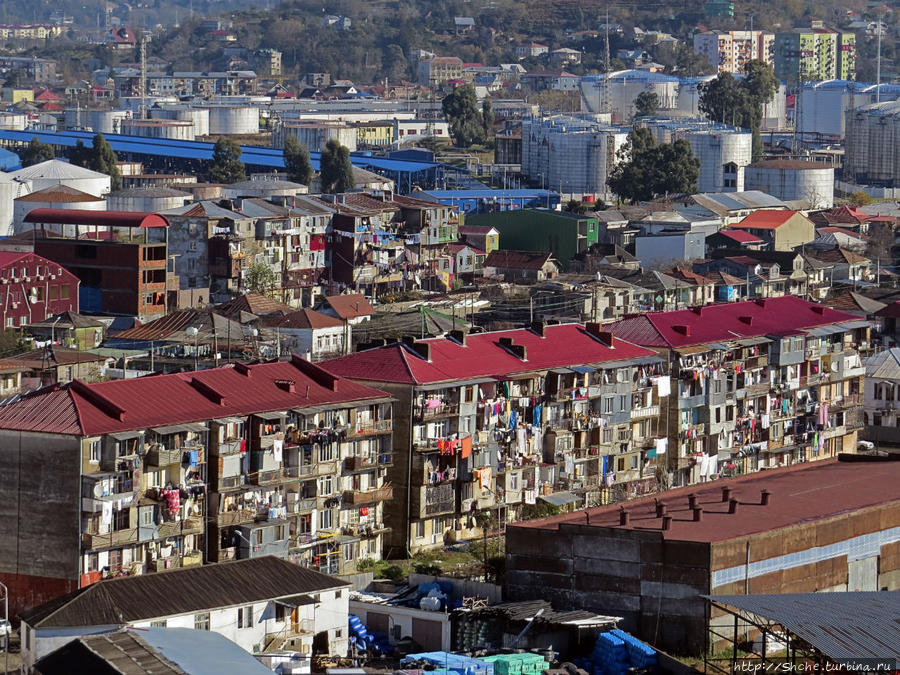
x=180 y=527
x=229 y=447
x=237 y=517
x=381 y=494
x=425 y=412
x=647 y=411
x=159 y=456
x=109 y=539
x=369 y=428
x=368 y=462
x=231 y=482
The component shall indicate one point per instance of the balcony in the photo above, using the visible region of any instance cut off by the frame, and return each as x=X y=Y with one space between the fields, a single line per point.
x=180 y=527
x=440 y=499
x=368 y=462
x=647 y=411
x=381 y=494
x=265 y=477
x=231 y=482
x=370 y=428
x=237 y=517
x=443 y=410
x=230 y=447
x=190 y=559
x=303 y=505
x=91 y=541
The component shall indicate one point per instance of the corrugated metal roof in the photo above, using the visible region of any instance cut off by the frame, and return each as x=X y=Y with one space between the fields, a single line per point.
x=843 y=626
x=100 y=218
x=179 y=591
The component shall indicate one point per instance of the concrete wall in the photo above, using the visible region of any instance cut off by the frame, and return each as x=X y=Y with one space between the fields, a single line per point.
x=667 y=249
x=391 y=620
x=40 y=524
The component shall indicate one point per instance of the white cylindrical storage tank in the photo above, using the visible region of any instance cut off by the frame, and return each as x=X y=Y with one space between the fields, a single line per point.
x=147 y=200
x=55 y=172
x=108 y=121
x=316 y=134
x=793 y=179
x=233 y=120
x=199 y=117
x=13 y=121
x=820 y=108
x=54 y=197
x=264 y=189
x=10 y=188
x=172 y=130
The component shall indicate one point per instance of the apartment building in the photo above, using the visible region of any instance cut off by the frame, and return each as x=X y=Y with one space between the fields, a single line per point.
x=488 y=424
x=815 y=54
x=759 y=384
x=439 y=69
x=142 y=475
x=730 y=50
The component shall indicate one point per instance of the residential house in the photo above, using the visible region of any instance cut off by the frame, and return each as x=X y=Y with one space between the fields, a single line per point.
x=764 y=274
x=47 y=366
x=463 y=24
x=467 y=259
x=352 y=308
x=33 y=288
x=130 y=650
x=564 y=55
x=550 y=80
x=251 y=602
x=669 y=246
x=313 y=335
x=701 y=290
x=881 y=403
x=531 y=50
x=731 y=207
x=843 y=265
x=120 y=258
x=69 y=329
x=176 y=470
x=210 y=244
x=728 y=238
x=483 y=237
x=438 y=70
x=492 y=422
x=526 y=266
x=758 y=384
x=782 y=230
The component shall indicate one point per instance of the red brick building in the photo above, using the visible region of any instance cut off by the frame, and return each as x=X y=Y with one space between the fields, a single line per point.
x=33 y=288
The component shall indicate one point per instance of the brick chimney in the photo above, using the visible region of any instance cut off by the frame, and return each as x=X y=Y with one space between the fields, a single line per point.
x=692 y=501
x=595 y=330
x=726 y=493
x=698 y=514
x=684 y=330
x=666 y=522
x=764 y=497
x=732 y=505
x=623 y=516
x=423 y=349
x=459 y=336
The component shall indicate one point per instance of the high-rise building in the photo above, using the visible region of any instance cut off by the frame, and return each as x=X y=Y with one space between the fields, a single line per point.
x=814 y=54
x=729 y=51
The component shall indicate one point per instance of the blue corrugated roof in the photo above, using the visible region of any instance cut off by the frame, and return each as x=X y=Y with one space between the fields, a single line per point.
x=488 y=194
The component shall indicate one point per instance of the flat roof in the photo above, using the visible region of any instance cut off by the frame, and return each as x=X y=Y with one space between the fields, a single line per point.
x=798 y=494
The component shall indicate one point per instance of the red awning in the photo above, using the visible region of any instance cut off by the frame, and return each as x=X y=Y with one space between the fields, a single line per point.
x=99 y=218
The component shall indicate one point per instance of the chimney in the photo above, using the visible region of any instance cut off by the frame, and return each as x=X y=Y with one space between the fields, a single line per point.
x=517 y=350
x=216 y=397
x=595 y=330
x=459 y=336
x=698 y=514
x=818 y=309
x=243 y=369
x=408 y=340
x=726 y=493
x=539 y=327
x=506 y=342
x=692 y=501
x=321 y=376
x=286 y=385
x=732 y=505
x=697 y=310
x=684 y=330
x=764 y=497
x=746 y=319
x=587 y=516
x=667 y=522
x=623 y=516
x=660 y=509
x=423 y=349
x=761 y=301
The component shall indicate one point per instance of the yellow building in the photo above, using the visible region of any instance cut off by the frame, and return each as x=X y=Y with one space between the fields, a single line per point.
x=374 y=134
x=14 y=95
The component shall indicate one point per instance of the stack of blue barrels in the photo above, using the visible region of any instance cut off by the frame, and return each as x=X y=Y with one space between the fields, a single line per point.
x=365 y=640
x=615 y=653
x=640 y=655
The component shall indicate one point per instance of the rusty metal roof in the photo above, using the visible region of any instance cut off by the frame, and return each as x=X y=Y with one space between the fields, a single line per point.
x=847 y=627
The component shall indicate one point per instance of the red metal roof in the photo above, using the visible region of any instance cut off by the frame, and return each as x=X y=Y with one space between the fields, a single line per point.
x=723 y=322
x=307 y=319
x=349 y=306
x=100 y=218
x=765 y=219
x=483 y=356
x=799 y=494
x=741 y=237
x=159 y=400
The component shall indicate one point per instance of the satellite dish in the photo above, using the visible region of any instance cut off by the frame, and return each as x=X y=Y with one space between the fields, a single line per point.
x=834 y=366
x=98 y=490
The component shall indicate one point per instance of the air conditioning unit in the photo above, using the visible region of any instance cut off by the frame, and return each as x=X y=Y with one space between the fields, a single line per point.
x=52 y=276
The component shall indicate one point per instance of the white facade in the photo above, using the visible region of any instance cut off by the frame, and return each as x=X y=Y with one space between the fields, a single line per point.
x=570 y=154
x=98 y=121
x=791 y=180
x=9 y=190
x=723 y=151
x=13 y=121
x=250 y=626
x=398 y=621
x=173 y=130
x=234 y=120
x=411 y=130
x=729 y=51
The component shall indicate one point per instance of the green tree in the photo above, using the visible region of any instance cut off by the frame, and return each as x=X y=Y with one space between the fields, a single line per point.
x=487 y=118
x=646 y=103
x=859 y=198
x=646 y=170
x=80 y=155
x=336 y=171
x=760 y=84
x=227 y=166
x=261 y=279
x=103 y=159
x=36 y=152
x=296 y=161
x=465 y=121
x=682 y=59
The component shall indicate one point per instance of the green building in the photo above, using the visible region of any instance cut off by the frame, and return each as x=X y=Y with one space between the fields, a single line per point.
x=718 y=8
x=814 y=54
x=562 y=233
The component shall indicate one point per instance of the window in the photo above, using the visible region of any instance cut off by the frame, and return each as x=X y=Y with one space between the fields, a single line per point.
x=279 y=613
x=54 y=293
x=718 y=415
x=158 y=624
x=245 y=617
x=94 y=452
x=279 y=532
x=326 y=519
x=201 y=621
x=64 y=292
x=469 y=394
x=623 y=403
x=607 y=404
x=257 y=537
x=420 y=529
